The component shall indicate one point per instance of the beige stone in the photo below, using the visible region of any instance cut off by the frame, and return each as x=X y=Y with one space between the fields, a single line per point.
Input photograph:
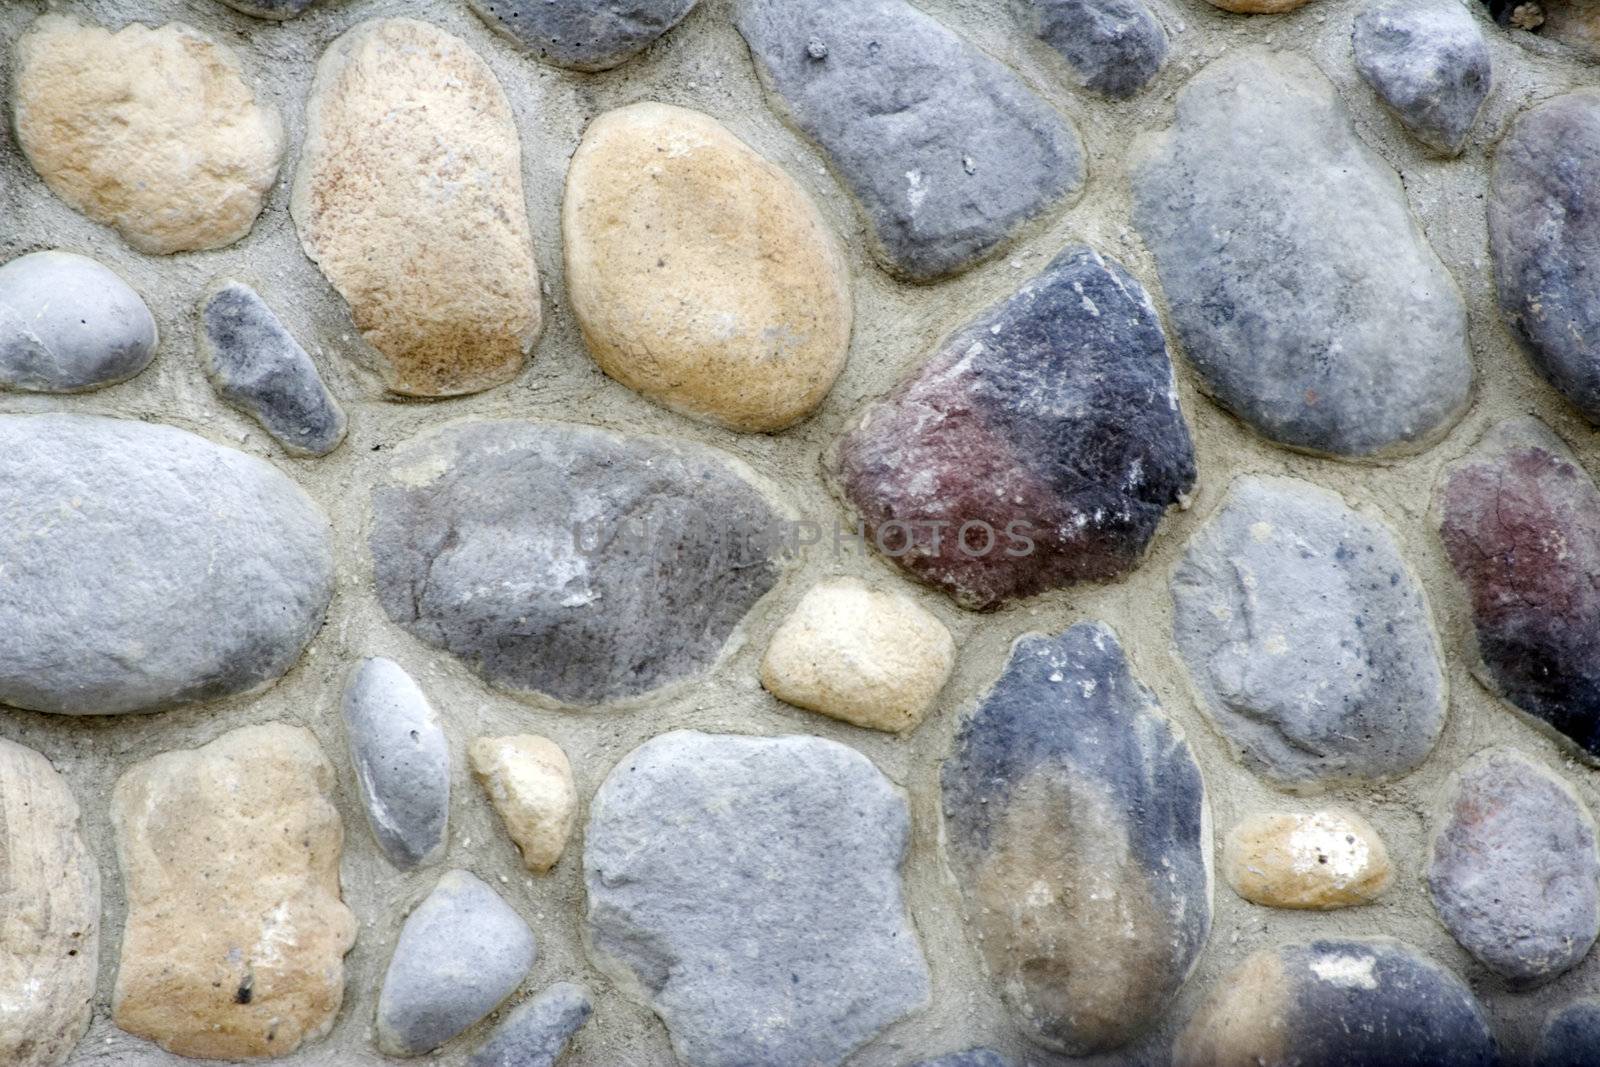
x=1321 y=860
x=152 y=131
x=49 y=914
x=529 y=781
x=236 y=934
x=409 y=197
x=701 y=274
x=868 y=657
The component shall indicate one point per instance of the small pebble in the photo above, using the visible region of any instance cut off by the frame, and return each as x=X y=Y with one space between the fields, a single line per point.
x=529 y=781
x=537 y=1032
x=1321 y=860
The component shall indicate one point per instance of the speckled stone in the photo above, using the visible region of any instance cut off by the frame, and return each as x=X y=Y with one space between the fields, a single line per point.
x=536 y=1032
x=1113 y=47
x=1318 y=860
x=1570 y=1037
x=69 y=324
x=270 y=9
x=583 y=34
x=1427 y=60
x=978 y=1057
x=401 y=759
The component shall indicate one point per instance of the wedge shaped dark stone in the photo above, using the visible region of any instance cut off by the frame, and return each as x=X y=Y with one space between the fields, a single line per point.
x=583 y=34
x=1427 y=60
x=1545 y=238
x=402 y=761
x=1571 y=1036
x=569 y=562
x=1520 y=521
x=947 y=151
x=1048 y=430
x=1076 y=822
x=537 y=1032
x=1114 y=47
x=1307 y=297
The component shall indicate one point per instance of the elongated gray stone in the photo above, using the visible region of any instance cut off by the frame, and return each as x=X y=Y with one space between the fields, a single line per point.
x=270 y=9
x=402 y=762
x=537 y=1032
x=1114 y=47
x=69 y=324
x=1077 y=825
x=947 y=151
x=1307 y=297
x=978 y=1057
x=583 y=34
x=748 y=890
x=147 y=567
x=1427 y=60
x=1570 y=1036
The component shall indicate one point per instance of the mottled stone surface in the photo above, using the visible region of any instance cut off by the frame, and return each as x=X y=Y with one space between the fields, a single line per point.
x=270 y=9
x=1520 y=522
x=525 y=549
x=1323 y=320
x=235 y=936
x=537 y=1032
x=948 y=153
x=1308 y=637
x=583 y=34
x=1427 y=60
x=147 y=567
x=1258 y=7
x=1077 y=824
x=1318 y=860
x=1113 y=47
x=978 y=1057
x=259 y=368
x=529 y=781
x=1515 y=873
x=748 y=890
x=1571 y=1036
x=401 y=759
x=69 y=324
x=1040 y=446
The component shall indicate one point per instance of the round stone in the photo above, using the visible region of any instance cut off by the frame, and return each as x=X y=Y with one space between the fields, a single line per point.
x=69 y=324
x=1319 y=860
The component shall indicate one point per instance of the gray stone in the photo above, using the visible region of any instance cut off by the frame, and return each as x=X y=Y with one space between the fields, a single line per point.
x=270 y=9
x=978 y=1057
x=748 y=890
x=461 y=953
x=259 y=368
x=1571 y=1036
x=1515 y=873
x=947 y=151
x=572 y=563
x=1427 y=60
x=70 y=324
x=537 y=1032
x=1307 y=297
x=1114 y=47
x=583 y=34
x=1076 y=822
x=1308 y=637
x=402 y=762
x=147 y=567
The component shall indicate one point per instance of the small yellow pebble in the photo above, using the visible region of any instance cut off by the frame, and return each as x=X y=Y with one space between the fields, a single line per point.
x=1321 y=860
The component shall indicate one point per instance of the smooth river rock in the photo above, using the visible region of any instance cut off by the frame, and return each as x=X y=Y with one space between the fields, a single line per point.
x=1319 y=860
x=69 y=324
x=1308 y=299
x=978 y=1057
x=583 y=34
x=1570 y=1037
x=152 y=131
x=570 y=562
x=270 y=9
x=748 y=890
x=420 y=224
x=948 y=153
x=529 y=781
x=701 y=274
x=1113 y=47
x=1040 y=446
x=1077 y=825
x=147 y=567
x=401 y=759
x=537 y=1032
x=235 y=935
x=1308 y=637
x=1427 y=60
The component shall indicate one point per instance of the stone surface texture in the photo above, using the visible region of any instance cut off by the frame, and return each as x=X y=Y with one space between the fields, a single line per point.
x=529 y=782
x=1258 y=7
x=536 y=1032
x=978 y=1057
x=585 y=35
x=1319 y=860
x=1427 y=60
x=1114 y=47
x=69 y=324
x=1570 y=1036
x=270 y=9
x=402 y=761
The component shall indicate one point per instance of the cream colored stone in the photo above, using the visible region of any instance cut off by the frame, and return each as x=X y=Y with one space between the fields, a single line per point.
x=701 y=274
x=49 y=914
x=236 y=934
x=1321 y=860
x=871 y=658
x=409 y=197
x=152 y=131
x=530 y=782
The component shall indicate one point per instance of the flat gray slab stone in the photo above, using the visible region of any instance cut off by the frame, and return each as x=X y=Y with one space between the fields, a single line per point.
x=536 y=1032
x=1427 y=60
x=69 y=324
x=583 y=34
x=402 y=762
x=1113 y=47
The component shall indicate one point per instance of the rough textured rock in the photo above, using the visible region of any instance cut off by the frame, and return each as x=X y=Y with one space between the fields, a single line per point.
x=1546 y=241
x=537 y=1032
x=235 y=936
x=1308 y=637
x=1114 y=47
x=1515 y=873
x=583 y=34
x=461 y=953
x=529 y=781
x=147 y=567
x=1570 y=1036
x=748 y=890
x=978 y=1057
x=1335 y=1004
x=50 y=898
x=1320 y=860
x=868 y=657
x=69 y=324
x=260 y=368
x=1077 y=824
x=701 y=274
x=402 y=762
x=1258 y=7
x=523 y=548
x=947 y=151
x=1520 y=522
x=151 y=131
x=1324 y=320
x=270 y=9
x=420 y=225
x=1428 y=61
x=1040 y=446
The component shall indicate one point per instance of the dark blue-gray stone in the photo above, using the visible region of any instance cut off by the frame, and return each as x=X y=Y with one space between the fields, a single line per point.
x=1076 y=822
x=583 y=34
x=401 y=759
x=259 y=368
x=69 y=324
x=1571 y=1037
x=978 y=1057
x=270 y=9
x=1427 y=60
x=537 y=1032
x=947 y=151
x=1114 y=47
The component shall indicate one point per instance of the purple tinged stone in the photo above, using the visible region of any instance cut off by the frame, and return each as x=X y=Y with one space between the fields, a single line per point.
x=1113 y=47
x=978 y=1057
x=1571 y=1036
x=536 y=1033
x=1427 y=60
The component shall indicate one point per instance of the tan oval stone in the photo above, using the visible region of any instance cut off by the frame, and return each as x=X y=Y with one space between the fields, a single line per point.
x=152 y=131
x=236 y=935
x=529 y=781
x=701 y=274
x=49 y=914
x=409 y=197
x=1321 y=860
